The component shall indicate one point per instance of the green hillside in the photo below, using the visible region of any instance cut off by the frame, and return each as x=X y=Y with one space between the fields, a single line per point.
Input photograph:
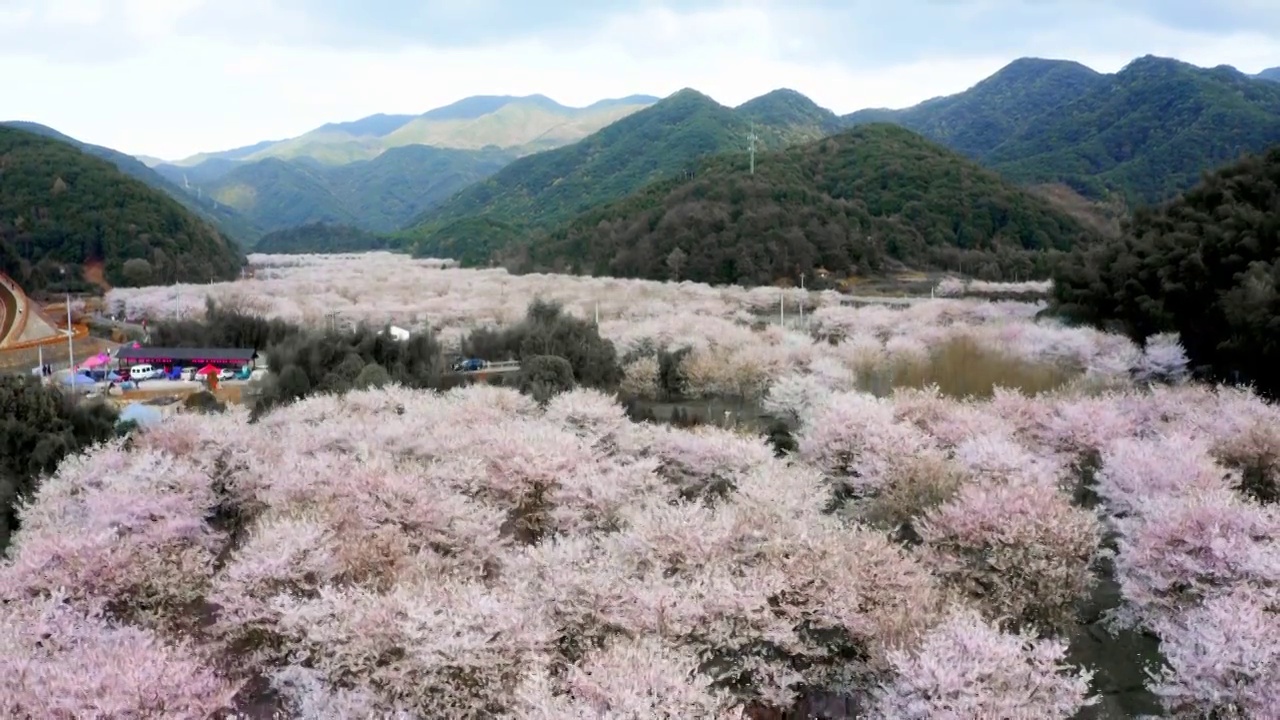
x=860 y=202
x=473 y=242
x=1144 y=133
x=321 y=238
x=520 y=125
x=980 y=119
x=225 y=218
x=1272 y=74
x=378 y=195
x=60 y=206
x=661 y=141
x=1149 y=133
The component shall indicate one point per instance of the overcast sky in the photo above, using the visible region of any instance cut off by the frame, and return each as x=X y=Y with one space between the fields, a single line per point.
x=170 y=78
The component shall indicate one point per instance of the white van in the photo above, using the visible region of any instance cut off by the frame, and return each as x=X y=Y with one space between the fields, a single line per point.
x=144 y=372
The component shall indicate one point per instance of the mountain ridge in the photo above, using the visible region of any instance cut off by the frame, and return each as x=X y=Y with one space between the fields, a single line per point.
x=225 y=218
x=527 y=118
x=668 y=137
x=862 y=201
x=62 y=205
x=1057 y=121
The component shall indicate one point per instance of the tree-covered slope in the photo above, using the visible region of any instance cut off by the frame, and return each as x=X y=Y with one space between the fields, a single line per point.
x=1144 y=133
x=980 y=119
x=859 y=202
x=60 y=206
x=1206 y=265
x=1149 y=133
x=322 y=238
x=225 y=218
x=379 y=195
x=666 y=139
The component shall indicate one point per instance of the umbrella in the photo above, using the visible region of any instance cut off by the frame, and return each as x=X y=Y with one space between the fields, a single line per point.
x=141 y=414
x=95 y=361
x=207 y=369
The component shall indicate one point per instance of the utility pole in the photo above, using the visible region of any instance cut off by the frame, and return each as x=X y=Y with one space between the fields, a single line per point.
x=752 y=147
x=802 y=299
x=782 y=308
x=597 y=314
x=71 y=353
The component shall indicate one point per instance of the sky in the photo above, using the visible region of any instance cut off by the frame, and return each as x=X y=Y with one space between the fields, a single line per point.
x=170 y=78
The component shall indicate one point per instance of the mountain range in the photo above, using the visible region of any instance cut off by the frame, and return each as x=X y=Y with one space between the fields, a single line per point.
x=469 y=180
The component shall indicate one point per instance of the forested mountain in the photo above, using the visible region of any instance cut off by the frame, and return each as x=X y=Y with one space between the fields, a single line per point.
x=661 y=141
x=862 y=201
x=225 y=218
x=322 y=238
x=520 y=125
x=60 y=206
x=1206 y=266
x=1272 y=74
x=1145 y=132
x=380 y=195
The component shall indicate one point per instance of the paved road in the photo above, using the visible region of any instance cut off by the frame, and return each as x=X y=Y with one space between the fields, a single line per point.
x=9 y=307
x=496 y=368
x=879 y=300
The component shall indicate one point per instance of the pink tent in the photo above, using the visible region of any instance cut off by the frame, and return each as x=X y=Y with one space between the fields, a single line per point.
x=95 y=361
x=207 y=369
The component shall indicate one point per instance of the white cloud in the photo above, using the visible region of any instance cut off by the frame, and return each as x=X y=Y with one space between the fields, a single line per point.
x=161 y=86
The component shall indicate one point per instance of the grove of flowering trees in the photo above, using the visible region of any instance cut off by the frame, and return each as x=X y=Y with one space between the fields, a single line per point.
x=960 y=480
x=404 y=553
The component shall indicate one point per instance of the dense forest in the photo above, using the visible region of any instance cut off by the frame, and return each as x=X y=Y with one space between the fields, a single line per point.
x=1206 y=266
x=226 y=219
x=323 y=238
x=860 y=202
x=1143 y=134
x=473 y=242
x=60 y=207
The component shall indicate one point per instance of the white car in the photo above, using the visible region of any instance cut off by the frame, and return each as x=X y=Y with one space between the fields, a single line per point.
x=226 y=374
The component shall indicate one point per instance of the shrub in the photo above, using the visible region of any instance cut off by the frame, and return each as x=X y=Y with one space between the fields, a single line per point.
x=39 y=426
x=544 y=376
x=122 y=526
x=203 y=401
x=642 y=678
x=1221 y=658
x=966 y=668
x=61 y=661
x=1018 y=550
x=1182 y=551
x=372 y=375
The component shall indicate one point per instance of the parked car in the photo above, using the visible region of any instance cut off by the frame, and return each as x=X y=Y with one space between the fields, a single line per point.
x=470 y=365
x=226 y=374
x=138 y=373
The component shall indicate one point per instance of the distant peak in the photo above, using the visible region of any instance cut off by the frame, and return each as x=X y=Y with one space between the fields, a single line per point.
x=1153 y=62
x=688 y=94
x=1029 y=66
x=781 y=94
